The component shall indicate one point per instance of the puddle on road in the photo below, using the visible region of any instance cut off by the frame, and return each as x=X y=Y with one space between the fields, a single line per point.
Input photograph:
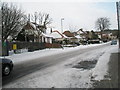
x=86 y=64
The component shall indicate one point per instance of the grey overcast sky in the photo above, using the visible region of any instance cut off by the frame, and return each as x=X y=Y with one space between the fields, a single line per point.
x=76 y=14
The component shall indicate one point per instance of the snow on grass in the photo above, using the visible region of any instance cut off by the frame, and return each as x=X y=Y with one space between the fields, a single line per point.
x=101 y=68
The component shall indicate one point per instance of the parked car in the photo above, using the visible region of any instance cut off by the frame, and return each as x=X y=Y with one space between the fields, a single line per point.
x=113 y=42
x=7 y=66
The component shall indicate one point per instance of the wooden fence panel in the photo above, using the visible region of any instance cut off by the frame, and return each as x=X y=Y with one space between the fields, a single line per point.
x=28 y=45
x=53 y=45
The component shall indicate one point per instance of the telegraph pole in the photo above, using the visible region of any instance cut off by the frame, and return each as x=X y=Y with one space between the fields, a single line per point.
x=118 y=19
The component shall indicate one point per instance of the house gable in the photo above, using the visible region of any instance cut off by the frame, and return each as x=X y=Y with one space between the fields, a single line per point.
x=68 y=34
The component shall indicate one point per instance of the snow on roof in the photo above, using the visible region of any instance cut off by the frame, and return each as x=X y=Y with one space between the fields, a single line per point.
x=47 y=35
x=33 y=25
x=65 y=36
x=9 y=37
x=78 y=36
x=56 y=35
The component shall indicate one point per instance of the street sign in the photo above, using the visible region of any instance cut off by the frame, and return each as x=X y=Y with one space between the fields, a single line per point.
x=14 y=46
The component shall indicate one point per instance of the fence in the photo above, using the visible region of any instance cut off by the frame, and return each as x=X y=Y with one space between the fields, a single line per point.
x=31 y=46
x=53 y=45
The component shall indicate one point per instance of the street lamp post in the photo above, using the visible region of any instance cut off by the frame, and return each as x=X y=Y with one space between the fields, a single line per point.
x=118 y=19
x=62 y=25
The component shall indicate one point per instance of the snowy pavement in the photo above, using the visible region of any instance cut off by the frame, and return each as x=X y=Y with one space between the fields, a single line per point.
x=63 y=75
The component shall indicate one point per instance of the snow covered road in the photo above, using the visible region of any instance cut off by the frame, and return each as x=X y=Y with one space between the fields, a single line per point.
x=57 y=68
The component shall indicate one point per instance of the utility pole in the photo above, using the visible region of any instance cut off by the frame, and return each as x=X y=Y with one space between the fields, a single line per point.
x=62 y=25
x=118 y=19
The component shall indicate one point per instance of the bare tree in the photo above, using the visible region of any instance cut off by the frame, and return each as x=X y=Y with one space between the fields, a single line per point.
x=43 y=19
x=102 y=24
x=12 y=20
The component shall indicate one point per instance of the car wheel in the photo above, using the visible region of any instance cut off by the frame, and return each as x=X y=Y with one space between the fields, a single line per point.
x=6 y=70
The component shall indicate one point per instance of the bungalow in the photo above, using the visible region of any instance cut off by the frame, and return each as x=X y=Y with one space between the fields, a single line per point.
x=72 y=39
x=79 y=38
x=46 y=38
x=108 y=35
x=58 y=37
x=33 y=32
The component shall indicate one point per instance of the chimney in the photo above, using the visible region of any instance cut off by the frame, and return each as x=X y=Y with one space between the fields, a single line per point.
x=51 y=30
x=28 y=17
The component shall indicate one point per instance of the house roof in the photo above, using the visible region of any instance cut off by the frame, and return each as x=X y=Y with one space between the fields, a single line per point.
x=78 y=36
x=28 y=26
x=46 y=35
x=57 y=34
x=38 y=25
x=33 y=26
x=65 y=36
x=68 y=34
